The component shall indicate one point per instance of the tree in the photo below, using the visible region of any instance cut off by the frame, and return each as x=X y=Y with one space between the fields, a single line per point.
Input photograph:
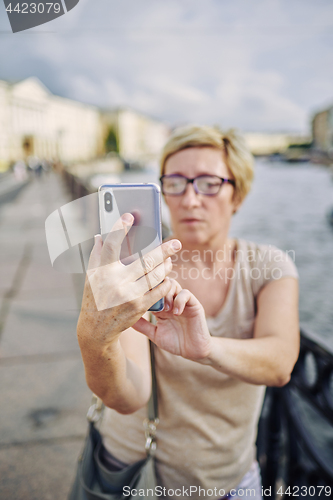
x=111 y=141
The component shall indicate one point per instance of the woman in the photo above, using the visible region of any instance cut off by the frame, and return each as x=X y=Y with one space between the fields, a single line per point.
x=228 y=329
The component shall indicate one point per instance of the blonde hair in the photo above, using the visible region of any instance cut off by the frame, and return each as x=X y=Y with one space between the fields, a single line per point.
x=238 y=157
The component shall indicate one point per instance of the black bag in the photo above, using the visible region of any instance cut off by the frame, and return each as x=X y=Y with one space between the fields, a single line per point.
x=94 y=481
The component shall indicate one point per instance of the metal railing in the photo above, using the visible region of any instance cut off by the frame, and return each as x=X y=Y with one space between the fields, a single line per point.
x=295 y=436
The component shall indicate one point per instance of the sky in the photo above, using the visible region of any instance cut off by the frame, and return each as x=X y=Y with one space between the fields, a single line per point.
x=259 y=65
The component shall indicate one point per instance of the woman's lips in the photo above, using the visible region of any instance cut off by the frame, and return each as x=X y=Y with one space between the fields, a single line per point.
x=190 y=220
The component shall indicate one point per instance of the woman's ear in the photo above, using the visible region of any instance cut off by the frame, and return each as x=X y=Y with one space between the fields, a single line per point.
x=237 y=202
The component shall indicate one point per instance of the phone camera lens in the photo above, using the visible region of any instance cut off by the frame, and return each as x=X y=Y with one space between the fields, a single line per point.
x=108 y=202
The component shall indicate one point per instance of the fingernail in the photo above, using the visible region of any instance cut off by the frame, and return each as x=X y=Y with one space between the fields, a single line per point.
x=176 y=245
x=175 y=310
x=166 y=307
x=127 y=218
x=96 y=238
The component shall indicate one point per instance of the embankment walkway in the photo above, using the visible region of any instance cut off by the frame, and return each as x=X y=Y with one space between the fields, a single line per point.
x=42 y=389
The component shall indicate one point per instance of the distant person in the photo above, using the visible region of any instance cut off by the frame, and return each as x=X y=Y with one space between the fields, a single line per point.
x=46 y=167
x=229 y=328
x=35 y=166
x=20 y=171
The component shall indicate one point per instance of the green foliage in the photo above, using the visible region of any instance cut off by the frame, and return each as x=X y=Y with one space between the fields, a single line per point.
x=304 y=145
x=111 y=141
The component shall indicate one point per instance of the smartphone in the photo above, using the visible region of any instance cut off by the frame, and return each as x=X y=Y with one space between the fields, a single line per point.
x=143 y=201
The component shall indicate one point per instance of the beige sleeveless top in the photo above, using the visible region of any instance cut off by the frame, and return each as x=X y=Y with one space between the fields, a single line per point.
x=208 y=420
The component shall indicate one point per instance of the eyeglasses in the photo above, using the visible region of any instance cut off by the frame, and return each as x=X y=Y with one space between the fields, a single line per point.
x=209 y=185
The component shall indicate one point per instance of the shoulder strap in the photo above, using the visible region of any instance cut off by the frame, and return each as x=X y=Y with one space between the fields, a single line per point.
x=153 y=402
x=152 y=421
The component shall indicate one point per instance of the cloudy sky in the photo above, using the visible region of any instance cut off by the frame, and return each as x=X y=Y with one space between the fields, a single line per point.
x=260 y=65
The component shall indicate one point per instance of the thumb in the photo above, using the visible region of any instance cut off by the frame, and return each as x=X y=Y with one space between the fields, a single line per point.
x=114 y=239
x=145 y=327
x=95 y=256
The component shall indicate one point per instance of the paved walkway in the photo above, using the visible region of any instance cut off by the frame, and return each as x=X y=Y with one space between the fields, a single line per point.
x=42 y=389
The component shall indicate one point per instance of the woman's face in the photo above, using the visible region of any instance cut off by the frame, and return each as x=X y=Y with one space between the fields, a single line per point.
x=199 y=219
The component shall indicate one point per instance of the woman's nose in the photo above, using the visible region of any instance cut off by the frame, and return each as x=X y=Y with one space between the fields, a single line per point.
x=190 y=197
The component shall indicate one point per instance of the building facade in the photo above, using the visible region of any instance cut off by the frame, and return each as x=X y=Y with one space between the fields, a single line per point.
x=34 y=122
x=270 y=143
x=322 y=130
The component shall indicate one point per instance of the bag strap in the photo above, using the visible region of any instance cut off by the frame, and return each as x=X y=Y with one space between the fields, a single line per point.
x=153 y=402
x=152 y=421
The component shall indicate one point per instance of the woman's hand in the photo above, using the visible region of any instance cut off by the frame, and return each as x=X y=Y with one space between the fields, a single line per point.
x=116 y=296
x=181 y=327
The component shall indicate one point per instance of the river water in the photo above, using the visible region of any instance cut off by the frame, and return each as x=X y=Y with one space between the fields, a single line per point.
x=288 y=207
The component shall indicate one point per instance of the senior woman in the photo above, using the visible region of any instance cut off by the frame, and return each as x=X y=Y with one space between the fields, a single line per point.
x=228 y=329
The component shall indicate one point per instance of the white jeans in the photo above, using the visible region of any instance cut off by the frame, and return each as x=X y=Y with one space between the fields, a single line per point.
x=249 y=486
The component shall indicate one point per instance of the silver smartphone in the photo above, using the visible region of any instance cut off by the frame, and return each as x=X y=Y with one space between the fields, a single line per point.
x=143 y=201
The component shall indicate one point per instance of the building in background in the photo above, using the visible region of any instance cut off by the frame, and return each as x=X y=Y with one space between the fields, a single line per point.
x=322 y=131
x=135 y=136
x=34 y=122
x=262 y=144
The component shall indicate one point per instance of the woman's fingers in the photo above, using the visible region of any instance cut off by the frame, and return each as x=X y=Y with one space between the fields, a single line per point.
x=145 y=327
x=157 y=293
x=153 y=278
x=112 y=244
x=152 y=259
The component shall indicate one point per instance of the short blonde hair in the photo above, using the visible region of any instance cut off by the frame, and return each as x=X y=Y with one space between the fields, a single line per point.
x=238 y=157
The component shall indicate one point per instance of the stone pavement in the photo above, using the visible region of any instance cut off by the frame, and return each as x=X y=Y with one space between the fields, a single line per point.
x=44 y=398
x=10 y=186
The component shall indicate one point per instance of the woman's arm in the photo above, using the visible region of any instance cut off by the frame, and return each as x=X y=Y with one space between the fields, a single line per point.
x=268 y=358
x=116 y=357
x=119 y=373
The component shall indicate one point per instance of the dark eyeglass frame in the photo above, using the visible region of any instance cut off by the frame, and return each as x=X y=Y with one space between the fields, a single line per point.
x=191 y=181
